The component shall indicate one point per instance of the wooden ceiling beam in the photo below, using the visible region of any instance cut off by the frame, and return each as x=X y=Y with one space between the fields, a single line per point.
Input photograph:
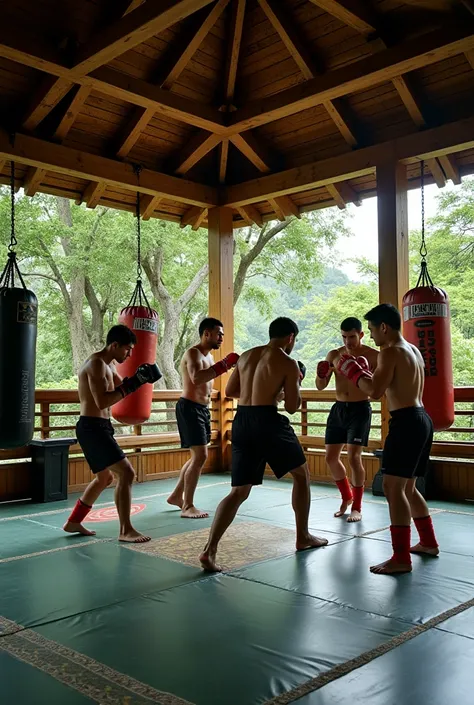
x=93 y=193
x=77 y=101
x=147 y=20
x=276 y=209
x=434 y=142
x=437 y=172
x=33 y=179
x=336 y=196
x=450 y=168
x=343 y=121
x=223 y=159
x=470 y=58
x=405 y=91
x=287 y=206
x=148 y=205
x=83 y=165
x=354 y=13
x=342 y=194
x=365 y=73
x=50 y=92
x=255 y=153
x=235 y=39
x=140 y=119
x=251 y=213
x=194 y=217
x=193 y=151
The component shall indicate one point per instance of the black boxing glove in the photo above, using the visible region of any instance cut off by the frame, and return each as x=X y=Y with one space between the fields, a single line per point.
x=145 y=374
x=302 y=371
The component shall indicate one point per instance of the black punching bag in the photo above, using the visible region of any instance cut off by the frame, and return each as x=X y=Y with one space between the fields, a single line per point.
x=18 y=325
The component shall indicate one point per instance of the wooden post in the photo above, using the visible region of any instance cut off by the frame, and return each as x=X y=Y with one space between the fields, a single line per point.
x=392 y=213
x=221 y=306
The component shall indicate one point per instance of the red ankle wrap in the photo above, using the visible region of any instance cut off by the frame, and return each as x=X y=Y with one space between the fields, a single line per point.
x=401 y=544
x=426 y=532
x=79 y=512
x=344 y=489
x=358 y=493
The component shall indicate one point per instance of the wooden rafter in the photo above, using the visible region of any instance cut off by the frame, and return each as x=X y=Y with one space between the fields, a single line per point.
x=50 y=92
x=434 y=142
x=251 y=213
x=354 y=13
x=276 y=209
x=470 y=58
x=93 y=193
x=342 y=194
x=235 y=39
x=151 y=18
x=223 y=158
x=189 y=46
x=194 y=217
x=193 y=151
x=287 y=206
x=149 y=204
x=33 y=180
x=254 y=152
x=72 y=111
x=450 y=168
x=64 y=160
x=405 y=91
x=343 y=121
x=437 y=172
x=378 y=68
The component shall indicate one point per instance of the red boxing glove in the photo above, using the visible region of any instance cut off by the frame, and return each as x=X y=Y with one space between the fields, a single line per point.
x=225 y=364
x=323 y=369
x=363 y=362
x=351 y=369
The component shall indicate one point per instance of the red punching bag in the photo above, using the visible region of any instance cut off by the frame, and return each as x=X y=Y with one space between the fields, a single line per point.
x=143 y=320
x=426 y=324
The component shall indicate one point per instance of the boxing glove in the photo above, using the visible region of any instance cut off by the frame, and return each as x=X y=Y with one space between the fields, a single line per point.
x=225 y=364
x=350 y=368
x=146 y=373
x=363 y=362
x=302 y=370
x=323 y=369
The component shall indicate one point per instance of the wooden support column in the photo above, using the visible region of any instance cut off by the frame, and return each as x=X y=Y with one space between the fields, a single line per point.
x=392 y=212
x=221 y=306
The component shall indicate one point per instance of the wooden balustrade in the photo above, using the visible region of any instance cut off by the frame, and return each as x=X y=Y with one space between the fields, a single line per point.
x=155 y=452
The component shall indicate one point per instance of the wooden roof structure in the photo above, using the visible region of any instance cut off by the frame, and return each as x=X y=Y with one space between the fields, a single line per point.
x=271 y=107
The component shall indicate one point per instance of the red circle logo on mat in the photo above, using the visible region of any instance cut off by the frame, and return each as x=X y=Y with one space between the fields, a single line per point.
x=110 y=513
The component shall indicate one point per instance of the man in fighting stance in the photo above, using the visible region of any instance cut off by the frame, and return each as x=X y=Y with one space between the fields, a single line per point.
x=192 y=411
x=100 y=387
x=399 y=375
x=349 y=420
x=264 y=375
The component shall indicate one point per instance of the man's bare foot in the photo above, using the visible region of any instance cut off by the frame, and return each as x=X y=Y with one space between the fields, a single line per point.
x=193 y=513
x=310 y=542
x=208 y=562
x=176 y=500
x=354 y=516
x=342 y=509
x=390 y=567
x=133 y=537
x=424 y=549
x=73 y=528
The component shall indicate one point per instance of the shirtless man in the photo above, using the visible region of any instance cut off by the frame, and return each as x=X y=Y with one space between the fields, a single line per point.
x=192 y=411
x=399 y=375
x=349 y=419
x=264 y=376
x=99 y=388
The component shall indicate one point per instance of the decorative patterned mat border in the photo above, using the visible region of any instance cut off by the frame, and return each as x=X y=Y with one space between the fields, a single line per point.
x=344 y=668
x=91 y=678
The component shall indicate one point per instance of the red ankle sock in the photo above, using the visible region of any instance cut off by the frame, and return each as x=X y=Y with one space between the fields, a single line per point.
x=426 y=532
x=79 y=512
x=401 y=544
x=344 y=489
x=358 y=493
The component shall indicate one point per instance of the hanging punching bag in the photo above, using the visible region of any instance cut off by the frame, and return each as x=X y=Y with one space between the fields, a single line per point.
x=18 y=317
x=143 y=320
x=426 y=324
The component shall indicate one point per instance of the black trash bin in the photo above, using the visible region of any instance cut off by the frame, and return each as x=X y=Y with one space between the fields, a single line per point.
x=50 y=468
x=424 y=485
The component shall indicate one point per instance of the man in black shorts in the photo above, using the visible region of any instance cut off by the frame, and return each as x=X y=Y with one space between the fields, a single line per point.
x=264 y=376
x=348 y=423
x=100 y=387
x=399 y=375
x=198 y=371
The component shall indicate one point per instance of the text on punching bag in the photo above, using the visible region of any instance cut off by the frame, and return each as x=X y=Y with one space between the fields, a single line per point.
x=25 y=397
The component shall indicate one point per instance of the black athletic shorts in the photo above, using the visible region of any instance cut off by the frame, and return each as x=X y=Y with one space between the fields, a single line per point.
x=261 y=435
x=349 y=422
x=96 y=438
x=408 y=444
x=194 y=423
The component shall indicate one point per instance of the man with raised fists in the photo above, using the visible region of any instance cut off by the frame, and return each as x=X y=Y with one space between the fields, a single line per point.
x=350 y=417
x=198 y=370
